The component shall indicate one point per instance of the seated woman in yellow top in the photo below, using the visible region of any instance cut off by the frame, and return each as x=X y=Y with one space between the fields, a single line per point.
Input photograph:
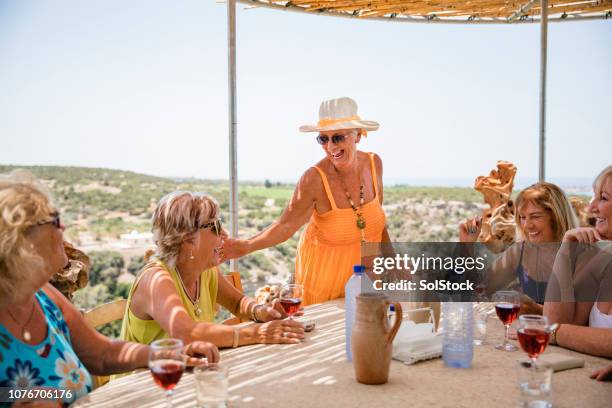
x=175 y=294
x=341 y=199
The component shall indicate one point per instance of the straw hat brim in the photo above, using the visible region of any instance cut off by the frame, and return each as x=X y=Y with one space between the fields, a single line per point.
x=368 y=125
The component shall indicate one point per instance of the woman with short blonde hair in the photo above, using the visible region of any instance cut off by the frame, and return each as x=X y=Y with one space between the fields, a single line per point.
x=176 y=292
x=46 y=341
x=176 y=217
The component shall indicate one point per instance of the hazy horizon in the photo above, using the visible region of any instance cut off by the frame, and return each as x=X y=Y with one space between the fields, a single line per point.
x=583 y=183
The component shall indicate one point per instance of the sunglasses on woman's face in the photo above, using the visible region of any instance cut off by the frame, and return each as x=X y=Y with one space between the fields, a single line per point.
x=55 y=220
x=323 y=140
x=215 y=226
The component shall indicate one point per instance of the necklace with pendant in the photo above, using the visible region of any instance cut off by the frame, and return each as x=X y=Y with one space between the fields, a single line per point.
x=195 y=302
x=360 y=222
x=25 y=333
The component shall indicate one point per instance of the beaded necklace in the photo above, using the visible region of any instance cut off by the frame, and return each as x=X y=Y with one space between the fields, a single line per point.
x=361 y=222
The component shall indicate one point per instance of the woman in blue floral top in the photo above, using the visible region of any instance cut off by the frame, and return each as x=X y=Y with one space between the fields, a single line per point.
x=44 y=340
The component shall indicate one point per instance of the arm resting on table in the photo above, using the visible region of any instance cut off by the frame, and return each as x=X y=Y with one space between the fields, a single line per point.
x=588 y=340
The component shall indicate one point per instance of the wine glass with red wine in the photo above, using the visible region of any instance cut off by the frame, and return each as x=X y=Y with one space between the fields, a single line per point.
x=533 y=334
x=167 y=363
x=507 y=305
x=291 y=298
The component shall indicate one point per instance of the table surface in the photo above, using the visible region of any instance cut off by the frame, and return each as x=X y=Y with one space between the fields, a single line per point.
x=315 y=373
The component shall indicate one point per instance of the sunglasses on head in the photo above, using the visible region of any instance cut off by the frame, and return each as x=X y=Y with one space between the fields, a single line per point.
x=323 y=140
x=215 y=226
x=55 y=220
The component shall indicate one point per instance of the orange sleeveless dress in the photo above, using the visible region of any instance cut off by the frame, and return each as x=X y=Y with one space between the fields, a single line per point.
x=331 y=244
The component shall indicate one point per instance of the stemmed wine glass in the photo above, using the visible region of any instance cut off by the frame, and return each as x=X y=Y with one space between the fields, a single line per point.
x=533 y=335
x=291 y=298
x=507 y=305
x=167 y=363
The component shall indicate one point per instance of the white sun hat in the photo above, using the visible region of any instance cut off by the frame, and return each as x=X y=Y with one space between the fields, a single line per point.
x=341 y=113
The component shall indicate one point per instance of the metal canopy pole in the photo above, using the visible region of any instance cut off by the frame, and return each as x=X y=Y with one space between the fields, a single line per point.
x=543 y=53
x=233 y=157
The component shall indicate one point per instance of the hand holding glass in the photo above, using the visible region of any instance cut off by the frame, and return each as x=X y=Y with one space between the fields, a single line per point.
x=291 y=298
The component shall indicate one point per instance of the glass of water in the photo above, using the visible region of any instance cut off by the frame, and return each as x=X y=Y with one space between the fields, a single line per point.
x=480 y=327
x=211 y=385
x=534 y=385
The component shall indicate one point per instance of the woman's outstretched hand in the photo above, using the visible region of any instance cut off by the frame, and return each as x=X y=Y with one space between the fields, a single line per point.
x=235 y=248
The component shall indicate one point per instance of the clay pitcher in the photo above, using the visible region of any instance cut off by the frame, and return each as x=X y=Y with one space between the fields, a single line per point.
x=372 y=338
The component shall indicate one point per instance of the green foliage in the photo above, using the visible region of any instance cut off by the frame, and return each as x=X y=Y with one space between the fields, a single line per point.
x=122 y=291
x=106 y=266
x=92 y=296
x=269 y=192
x=136 y=264
x=399 y=193
x=255 y=260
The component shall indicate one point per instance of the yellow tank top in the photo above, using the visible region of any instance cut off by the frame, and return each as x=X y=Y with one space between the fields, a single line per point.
x=147 y=331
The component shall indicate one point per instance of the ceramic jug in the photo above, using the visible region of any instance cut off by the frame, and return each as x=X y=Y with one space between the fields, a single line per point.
x=372 y=338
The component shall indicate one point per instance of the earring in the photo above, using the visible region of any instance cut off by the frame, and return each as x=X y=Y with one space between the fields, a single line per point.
x=191 y=255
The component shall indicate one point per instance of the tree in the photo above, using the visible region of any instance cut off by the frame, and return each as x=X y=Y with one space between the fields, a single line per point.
x=106 y=266
x=136 y=264
x=267 y=183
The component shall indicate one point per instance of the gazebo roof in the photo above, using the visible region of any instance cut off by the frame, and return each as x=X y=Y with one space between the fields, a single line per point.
x=446 y=11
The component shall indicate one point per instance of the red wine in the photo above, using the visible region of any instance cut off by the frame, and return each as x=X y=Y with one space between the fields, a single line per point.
x=507 y=312
x=291 y=305
x=533 y=341
x=166 y=373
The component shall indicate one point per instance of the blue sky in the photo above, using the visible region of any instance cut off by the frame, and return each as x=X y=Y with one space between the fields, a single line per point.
x=142 y=86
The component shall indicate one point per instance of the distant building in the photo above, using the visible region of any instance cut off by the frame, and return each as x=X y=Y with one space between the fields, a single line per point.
x=136 y=239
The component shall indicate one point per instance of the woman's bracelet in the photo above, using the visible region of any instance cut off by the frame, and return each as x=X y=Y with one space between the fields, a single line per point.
x=236 y=337
x=254 y=310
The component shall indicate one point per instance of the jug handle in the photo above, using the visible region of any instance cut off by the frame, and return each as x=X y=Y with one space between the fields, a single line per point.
x=398 y=320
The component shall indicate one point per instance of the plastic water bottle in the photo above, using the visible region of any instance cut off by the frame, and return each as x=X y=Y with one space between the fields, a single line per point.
x=359 y=283
x=457 y=346
x=391 y=314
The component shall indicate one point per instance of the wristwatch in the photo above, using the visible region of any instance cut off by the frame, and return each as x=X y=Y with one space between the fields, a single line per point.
x=553 y=334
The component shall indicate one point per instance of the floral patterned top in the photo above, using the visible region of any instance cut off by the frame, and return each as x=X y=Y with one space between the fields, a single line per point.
x=51 y=363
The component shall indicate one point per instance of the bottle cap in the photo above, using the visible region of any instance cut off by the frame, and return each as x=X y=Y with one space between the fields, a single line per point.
x=358 y=269
x=392 y=308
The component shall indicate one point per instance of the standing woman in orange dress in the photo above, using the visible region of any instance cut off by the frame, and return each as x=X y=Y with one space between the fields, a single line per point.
x=341 y=199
